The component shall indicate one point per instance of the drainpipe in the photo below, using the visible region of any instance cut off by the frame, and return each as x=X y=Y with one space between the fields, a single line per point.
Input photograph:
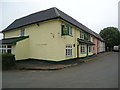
x=78 y=51
x=87 y=50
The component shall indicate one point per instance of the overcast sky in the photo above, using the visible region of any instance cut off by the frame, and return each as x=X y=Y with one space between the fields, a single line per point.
x=95 y=14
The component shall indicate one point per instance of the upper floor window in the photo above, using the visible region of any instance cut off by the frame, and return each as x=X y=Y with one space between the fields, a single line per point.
x=87 y=36
x=22 y=32
x=81 y=35
x=66 y=29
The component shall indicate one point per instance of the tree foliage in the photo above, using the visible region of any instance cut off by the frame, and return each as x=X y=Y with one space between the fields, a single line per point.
x=111 y=36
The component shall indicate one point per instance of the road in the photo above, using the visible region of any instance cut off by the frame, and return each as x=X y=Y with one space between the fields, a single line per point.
x=102 y=72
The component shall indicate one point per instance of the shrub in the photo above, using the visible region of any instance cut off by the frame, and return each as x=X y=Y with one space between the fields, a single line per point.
x=8 y=61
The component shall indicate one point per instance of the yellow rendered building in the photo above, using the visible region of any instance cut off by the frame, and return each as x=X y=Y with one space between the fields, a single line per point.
x=48 y=35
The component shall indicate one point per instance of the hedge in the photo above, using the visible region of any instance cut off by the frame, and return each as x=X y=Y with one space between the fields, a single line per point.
x=8 y=61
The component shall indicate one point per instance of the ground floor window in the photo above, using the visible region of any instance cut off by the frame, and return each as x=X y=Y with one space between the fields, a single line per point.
x=82 y=48
x=69 y=50
x=5 y=48
x=90 y=49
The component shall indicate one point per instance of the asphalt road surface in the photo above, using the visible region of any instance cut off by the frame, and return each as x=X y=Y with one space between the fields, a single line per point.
x=102 y=72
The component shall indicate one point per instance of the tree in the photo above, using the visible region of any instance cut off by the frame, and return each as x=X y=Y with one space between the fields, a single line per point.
x=111 y=36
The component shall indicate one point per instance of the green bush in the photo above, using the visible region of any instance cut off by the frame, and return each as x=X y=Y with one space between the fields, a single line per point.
x=8 y=61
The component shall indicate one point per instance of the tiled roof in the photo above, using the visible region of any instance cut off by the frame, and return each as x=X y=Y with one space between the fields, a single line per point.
x=97 y=35
x=44 y=15
x=12 y=40
x=85 y=42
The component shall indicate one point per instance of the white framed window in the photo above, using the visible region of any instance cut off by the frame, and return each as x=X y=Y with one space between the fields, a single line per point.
x=22 y=32
x=69 y=50
x=81 y=35
x=82 y=48
x=66 y=29
x=5 y=48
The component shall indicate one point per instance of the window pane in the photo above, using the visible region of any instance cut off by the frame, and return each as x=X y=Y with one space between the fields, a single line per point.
x=66 y=52
x=9 y=46
x=69 y=50
x=62 y=27
x=81 y=35
x=22 y=32
x=82 y=48
x=4 y=51
x=64 y=30
x=70 y=30
x=9 y=51
x=3 y=46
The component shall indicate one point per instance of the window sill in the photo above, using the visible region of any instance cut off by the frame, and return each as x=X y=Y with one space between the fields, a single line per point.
x=82 y=38
x=67 y=35
x=68 y=56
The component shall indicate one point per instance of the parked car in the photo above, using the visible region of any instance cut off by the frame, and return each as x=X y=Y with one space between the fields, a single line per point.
x=116 y=48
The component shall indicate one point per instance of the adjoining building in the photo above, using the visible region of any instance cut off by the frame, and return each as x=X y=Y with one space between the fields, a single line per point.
x=50 y=35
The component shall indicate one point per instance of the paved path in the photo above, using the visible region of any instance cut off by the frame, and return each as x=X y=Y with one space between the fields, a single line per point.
x=99 y=73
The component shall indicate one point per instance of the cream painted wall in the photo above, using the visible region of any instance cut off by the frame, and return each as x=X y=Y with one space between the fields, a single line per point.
x=12 y=33
x=13 y=49
x=22 y=49
x=83 y=55
x=66 y=40
x=45 y=41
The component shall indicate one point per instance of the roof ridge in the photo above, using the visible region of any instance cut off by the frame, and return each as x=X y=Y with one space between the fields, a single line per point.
x=56 y=11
